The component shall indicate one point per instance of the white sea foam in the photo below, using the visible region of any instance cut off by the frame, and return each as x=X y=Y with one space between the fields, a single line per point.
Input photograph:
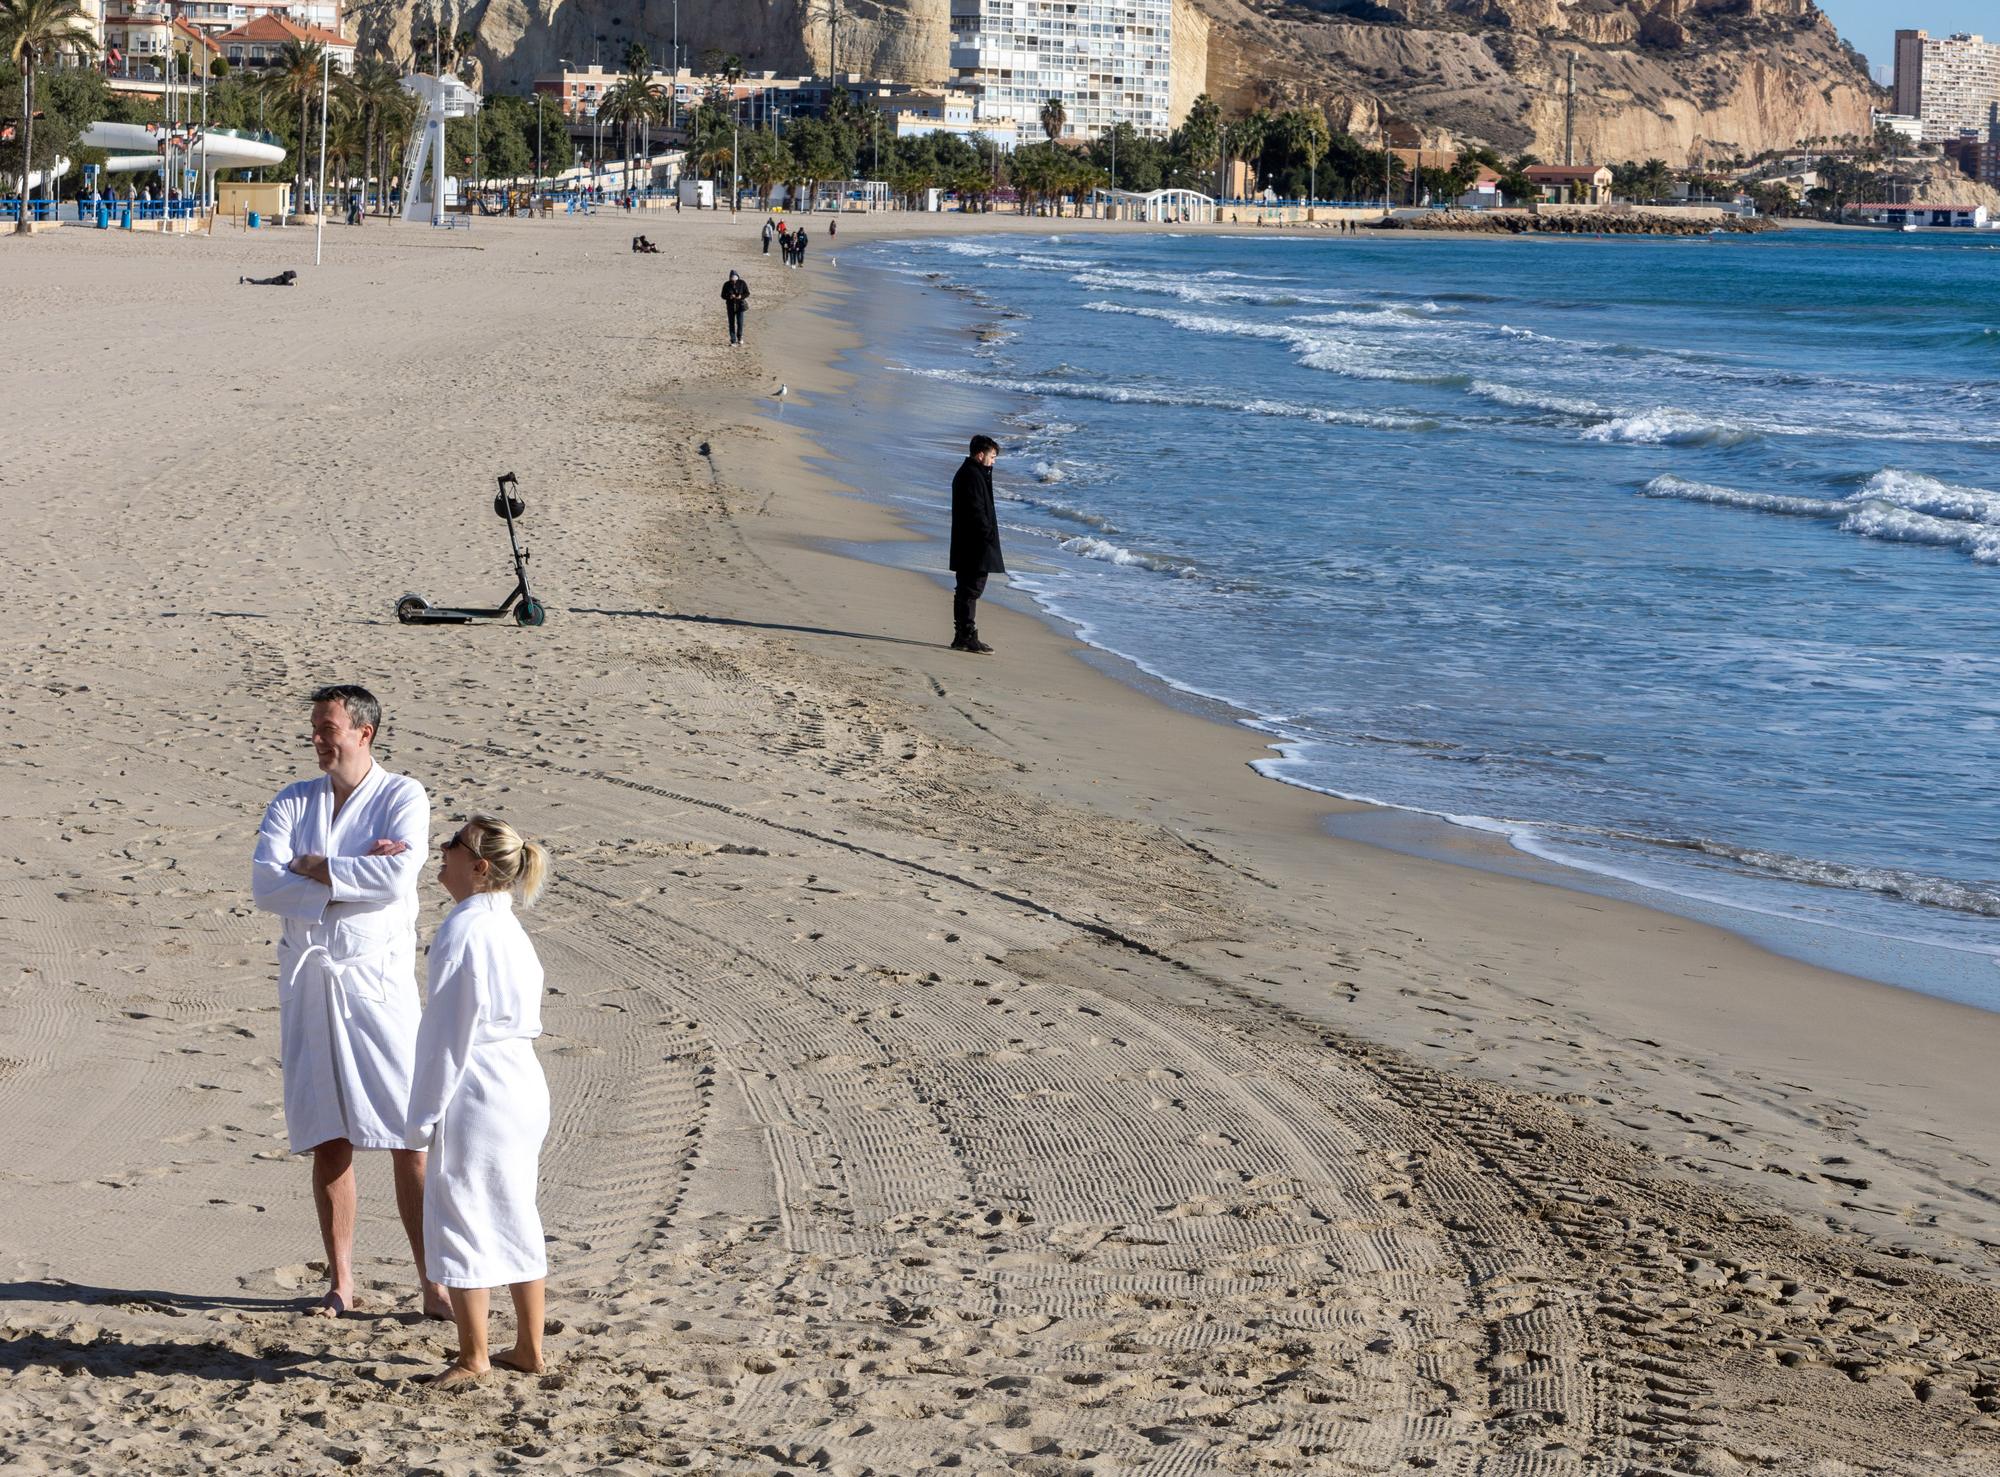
x=1880 y=520
x=1921 y=494
x=1670 y=486
x=1889 y=507
x=1147 y=395
x=1665 y=426
x=1110 y=553
x=1046 y=471
x=1536 y=399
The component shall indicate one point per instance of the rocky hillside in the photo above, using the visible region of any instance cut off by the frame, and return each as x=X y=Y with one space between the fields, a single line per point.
x=1680 y=80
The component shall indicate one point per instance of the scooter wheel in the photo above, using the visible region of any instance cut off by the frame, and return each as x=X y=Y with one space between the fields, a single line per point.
x=529 y=612
x=411 y=608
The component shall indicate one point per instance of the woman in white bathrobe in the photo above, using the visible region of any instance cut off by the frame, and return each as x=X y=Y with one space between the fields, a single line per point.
x=478 y=1084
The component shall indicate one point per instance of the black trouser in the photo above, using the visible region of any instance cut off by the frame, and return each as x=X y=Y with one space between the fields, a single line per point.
x=964 y=603
x=735 y=322
x=767 y=246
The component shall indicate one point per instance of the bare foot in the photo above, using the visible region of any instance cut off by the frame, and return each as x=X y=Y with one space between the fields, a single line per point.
x=332 y=1305
x=456 y=1375
x=437 y=1303
x=520 y=1361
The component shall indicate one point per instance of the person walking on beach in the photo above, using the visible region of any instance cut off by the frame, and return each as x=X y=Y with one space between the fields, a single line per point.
x=769 y=231
x=735 y=299
x=799 y=247
x=975 y=541
x=338 y=859
x=481 y=1093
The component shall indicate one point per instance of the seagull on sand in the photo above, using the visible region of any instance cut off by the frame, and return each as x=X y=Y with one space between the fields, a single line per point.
x=780 y=393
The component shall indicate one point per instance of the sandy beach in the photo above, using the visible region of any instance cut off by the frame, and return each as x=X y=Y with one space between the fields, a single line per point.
x=957 y=1063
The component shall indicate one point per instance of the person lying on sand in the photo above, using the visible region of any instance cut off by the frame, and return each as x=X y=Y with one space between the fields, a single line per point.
x=641 y=244
x=286 y=278
x=479 y=1086
x=338 y=859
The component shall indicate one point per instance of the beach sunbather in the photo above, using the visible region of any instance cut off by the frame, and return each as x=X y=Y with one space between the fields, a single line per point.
x=338 y=859
x=480 y=1088
x=286 y=278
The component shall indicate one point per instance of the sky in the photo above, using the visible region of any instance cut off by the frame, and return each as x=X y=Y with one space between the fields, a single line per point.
x=1870 y=25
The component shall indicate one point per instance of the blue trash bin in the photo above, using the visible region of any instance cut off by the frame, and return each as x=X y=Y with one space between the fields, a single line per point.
x=253 y=220
x=103 y=216
x=125 y=216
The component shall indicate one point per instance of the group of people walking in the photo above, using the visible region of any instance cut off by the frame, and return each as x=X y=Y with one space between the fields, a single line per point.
x=450 y=1088
x=791 y=243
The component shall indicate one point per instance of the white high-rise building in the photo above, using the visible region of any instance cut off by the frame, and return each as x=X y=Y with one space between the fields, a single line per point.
x=1108 y=61
x=1951 y=82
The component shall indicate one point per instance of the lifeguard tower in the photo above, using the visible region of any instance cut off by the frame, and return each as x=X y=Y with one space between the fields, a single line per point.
x=443 y=98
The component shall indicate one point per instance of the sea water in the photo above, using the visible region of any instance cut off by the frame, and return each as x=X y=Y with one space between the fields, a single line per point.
x=1673 y=561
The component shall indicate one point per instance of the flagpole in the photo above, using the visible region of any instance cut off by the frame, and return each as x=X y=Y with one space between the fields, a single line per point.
x=319 y=192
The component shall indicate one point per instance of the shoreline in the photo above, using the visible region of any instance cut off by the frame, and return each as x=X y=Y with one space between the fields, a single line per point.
x=1810 y=1008
x=1931 y=968
x=952 y=1057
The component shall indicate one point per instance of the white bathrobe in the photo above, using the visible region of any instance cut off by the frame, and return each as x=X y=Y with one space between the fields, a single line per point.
x=479 y=1084
x=347 y=959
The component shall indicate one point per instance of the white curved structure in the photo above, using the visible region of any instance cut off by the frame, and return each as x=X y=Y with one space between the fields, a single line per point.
x=135 y=149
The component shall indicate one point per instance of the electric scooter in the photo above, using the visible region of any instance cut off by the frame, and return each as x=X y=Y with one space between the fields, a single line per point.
x=414 y=610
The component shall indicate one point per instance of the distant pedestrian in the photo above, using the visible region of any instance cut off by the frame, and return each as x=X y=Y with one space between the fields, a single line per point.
x=735 y=300
x=975 y=541
x=799 y=247
x=769 y=231
x=832 y=229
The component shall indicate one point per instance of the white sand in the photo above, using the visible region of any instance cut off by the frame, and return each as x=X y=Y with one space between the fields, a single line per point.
x=956 y=1063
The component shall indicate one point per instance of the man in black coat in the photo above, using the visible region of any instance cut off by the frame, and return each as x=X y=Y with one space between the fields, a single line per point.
x=975 y=540
x=735 y=298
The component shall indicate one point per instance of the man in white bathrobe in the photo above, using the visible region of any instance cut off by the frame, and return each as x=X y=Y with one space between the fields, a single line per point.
x=339 y=859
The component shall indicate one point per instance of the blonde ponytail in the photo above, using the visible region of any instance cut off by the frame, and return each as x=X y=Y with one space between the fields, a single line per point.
x=513 y=864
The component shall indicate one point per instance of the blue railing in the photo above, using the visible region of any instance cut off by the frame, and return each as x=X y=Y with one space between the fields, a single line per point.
x=38 y=210
x=86 y=210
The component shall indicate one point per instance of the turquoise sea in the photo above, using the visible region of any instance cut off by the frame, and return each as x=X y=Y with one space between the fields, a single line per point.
x=1672 y=563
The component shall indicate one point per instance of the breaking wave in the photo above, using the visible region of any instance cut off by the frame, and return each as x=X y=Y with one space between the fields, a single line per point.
x=1147 y=395
x=1892 y=506
x=1110 y=553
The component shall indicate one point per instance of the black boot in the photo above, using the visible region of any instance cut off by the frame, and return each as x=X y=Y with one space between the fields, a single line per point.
x=970 y=642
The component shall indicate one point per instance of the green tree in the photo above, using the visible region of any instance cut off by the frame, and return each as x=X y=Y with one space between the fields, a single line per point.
x=1245 y=139
x=376 y=94
x=1302 y=133
x=766 y=161
x=295 y=77
x=633 y=100
x=1195 y=146
x=1054 y=116
x=32 y=34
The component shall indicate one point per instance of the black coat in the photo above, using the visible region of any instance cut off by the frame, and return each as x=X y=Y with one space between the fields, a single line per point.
x=975 y=531
x=736 y=292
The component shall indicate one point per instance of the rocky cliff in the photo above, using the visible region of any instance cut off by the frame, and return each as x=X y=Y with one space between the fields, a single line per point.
x=1680 y=80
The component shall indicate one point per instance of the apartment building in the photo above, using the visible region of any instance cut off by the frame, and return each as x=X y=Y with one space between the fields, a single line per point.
x=1107 y=61
x=1951 y=83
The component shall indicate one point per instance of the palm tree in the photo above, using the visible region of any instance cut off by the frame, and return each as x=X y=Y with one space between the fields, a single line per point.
x=296 y=74
x=376 y=93
x=634 y=98
x=33 y=32
x=1054 y=116
x=1245 y=140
